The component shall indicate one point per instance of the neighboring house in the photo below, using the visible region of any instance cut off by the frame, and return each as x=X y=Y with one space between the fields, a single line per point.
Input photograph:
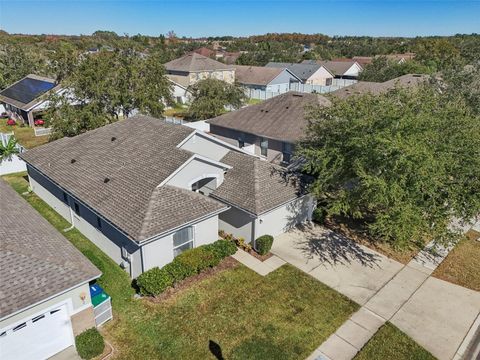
x=205 y=52
x=342 y=69
x=228 y=57
x=26 y=100
x=180 y=92
x=308 y=73
x=264 y=78
x=194 y=67
x=45 y=299
x=144 y=191
x=269 y=129
x=375 y=88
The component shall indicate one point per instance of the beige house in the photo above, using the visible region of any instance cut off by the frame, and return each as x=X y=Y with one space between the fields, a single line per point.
x=308 y=73
x=193 y=67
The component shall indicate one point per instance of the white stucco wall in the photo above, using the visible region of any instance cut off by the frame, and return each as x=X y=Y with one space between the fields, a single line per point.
x=196 y=170
x=59 y=206
x=160 y=252
x=204 y=146
x=72 y=297
x=353 y=71
x=319 y=77
x=285 y=217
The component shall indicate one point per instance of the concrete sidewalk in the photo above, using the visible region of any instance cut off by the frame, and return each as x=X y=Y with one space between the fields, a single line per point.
x=436 y=314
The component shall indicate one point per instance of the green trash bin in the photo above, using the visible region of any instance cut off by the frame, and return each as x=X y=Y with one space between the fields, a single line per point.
x=98 y=299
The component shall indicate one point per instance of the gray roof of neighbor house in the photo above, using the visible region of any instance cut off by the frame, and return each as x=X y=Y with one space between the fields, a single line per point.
x=181 y=80
x=28 y=91
x=337 y=68
x=303 y=71
x=281 y=117
x=194 y=63
x=256 y=75
x=375 y=88
x=255 y=185
x=36 y=261
x=116 y=170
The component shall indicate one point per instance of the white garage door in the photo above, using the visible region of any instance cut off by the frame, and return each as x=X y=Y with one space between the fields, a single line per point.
x=37 y=338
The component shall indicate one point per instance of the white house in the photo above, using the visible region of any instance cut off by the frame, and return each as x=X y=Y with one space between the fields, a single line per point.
x=275 y=80
x=45 y=299
x=144 y=191
x=308 y=73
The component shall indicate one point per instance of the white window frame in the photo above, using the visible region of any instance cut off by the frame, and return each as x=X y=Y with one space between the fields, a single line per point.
x=186 y=242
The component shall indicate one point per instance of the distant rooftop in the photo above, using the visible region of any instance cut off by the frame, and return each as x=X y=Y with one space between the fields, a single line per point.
x=303 y=71
x=256 y=75
x=194 y=63
x=281 y=117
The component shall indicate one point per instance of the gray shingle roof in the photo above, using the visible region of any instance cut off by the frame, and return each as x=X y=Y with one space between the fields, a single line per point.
x=281 y=117
x=255 y=185
x=36 y=261
x=194 y=62
x=136 y=155
x=255 y=75
x=303 y=71
x=375 y=88
x=336 y=67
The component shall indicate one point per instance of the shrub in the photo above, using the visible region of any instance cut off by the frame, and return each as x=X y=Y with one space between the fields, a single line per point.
x=178 y=271
x=224 y=248
x=199 y=258
x=263 y=244
x=89 y=343
x=154 y=281
x=319 y=215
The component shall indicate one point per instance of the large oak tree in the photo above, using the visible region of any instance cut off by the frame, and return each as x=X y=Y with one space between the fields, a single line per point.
x=407 y=162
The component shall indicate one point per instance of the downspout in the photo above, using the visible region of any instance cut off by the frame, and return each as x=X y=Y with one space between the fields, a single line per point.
x=71 y=219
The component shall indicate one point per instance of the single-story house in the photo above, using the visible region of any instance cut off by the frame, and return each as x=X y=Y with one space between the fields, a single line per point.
x=26 y=99
x=194 y=67
x=45 y=298
x=269 y=129
x=308 y=73
x=348 y=69
x=264 y=78
x=144 y=191
x=375 y=88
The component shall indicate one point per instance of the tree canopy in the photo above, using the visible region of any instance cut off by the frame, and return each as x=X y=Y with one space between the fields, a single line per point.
x=107 y=86
x=211 y=97
x=381 y=69
x=407 y=162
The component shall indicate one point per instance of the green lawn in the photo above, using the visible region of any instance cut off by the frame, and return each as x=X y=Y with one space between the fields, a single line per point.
x=461 y=265
x=25 y=135
x=389 y=343
x=285 y=315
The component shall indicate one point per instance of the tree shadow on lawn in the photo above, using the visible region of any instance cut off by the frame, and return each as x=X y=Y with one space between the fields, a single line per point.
x=334 y=249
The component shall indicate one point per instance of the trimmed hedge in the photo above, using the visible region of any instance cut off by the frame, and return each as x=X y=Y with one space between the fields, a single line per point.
x=190 y=262
x=154 y=281
x=263 y=244
x=89 y=344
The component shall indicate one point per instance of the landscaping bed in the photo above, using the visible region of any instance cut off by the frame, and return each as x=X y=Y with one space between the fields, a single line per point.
x=391 y=343
x=461 y=266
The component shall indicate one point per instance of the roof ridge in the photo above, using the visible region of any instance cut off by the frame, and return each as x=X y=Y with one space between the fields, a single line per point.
x=148 y=214
x=256 y=182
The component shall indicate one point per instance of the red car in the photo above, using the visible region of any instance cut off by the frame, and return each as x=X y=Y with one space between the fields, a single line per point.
x=39 y=122
x=11 y=122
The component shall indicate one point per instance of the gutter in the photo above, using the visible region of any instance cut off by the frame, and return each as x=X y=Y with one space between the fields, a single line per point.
x=49 y=298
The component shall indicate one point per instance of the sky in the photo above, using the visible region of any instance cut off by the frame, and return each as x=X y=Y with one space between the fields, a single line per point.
x=242 y=18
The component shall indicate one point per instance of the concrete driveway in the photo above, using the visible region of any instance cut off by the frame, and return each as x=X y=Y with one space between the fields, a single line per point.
x=351 y=269
x=436 y=314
